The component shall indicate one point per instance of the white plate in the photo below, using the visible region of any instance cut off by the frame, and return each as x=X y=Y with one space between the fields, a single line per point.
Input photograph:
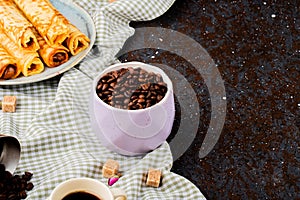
x=83 y=21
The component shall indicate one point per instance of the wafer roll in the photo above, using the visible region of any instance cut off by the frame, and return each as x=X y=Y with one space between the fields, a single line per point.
x=76 y=41
x=8 y=65
x=52 y=55
x=49 y=22
x=28 y=62
x=17 y=27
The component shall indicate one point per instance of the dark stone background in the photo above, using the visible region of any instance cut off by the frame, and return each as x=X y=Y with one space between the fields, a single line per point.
x=256 y=46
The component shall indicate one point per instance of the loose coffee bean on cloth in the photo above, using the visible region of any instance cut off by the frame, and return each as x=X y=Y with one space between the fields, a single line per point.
x=14 y=187
x=53 y=124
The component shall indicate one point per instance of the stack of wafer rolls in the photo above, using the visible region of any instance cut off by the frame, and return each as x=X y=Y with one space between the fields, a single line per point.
x=28 y=61
x=34 y=34
x=57 y=30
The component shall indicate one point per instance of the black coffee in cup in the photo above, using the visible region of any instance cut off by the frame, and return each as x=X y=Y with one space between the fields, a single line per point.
x=80 y=195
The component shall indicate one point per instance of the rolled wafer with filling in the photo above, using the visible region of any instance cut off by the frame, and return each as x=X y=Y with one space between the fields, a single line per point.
x=17 y=27
x=76 y=41
x=52 y=55
x=8 y=65
x=48 y=21
x=28 y=62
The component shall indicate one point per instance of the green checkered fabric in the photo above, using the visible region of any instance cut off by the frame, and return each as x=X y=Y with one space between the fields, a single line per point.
x=53 y=124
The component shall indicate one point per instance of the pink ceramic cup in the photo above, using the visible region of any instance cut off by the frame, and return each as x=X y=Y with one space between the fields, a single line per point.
x=132 y=132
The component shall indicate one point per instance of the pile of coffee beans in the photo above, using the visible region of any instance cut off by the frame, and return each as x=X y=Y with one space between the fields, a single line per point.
x=14 y=187
x=131 y=88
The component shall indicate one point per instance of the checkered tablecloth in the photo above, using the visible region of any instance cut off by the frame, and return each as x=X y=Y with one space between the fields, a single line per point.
x=53 y=124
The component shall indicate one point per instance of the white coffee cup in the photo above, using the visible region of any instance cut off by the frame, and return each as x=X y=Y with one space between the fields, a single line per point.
x=87 y=185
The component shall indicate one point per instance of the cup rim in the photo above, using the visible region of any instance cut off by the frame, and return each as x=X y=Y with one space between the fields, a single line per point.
x=79 y=179
x=134 y=64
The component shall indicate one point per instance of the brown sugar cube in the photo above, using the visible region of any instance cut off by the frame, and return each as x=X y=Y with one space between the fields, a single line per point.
x=153 y=178
x=110 y=168
x=9 y=104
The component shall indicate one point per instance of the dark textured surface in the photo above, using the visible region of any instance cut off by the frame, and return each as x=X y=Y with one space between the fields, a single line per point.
x=256 y=46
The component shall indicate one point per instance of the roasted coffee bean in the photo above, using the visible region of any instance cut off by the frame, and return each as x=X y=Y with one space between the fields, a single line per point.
x=29 y=186
x=131 y=88
x=27 y=176
x=2 y=168
x=12 y=196
x=22 y=194
x=14 y=187
x=7 y=175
